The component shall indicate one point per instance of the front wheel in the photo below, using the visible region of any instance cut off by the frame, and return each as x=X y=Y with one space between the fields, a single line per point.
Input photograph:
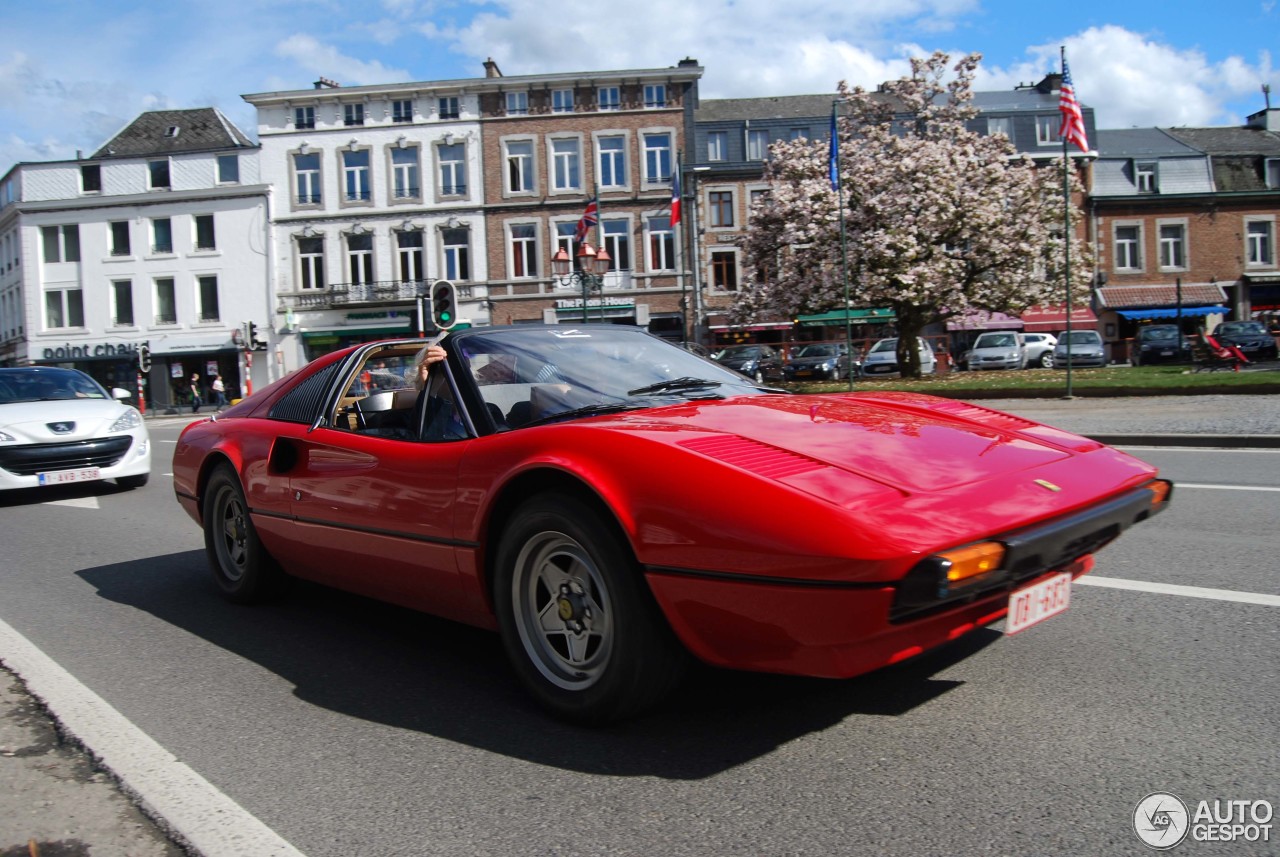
x=1046 y=360
x=578 y=623
x=241 y=566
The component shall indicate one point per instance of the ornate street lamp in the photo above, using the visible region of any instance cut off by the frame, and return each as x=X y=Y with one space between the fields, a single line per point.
x=593 y=264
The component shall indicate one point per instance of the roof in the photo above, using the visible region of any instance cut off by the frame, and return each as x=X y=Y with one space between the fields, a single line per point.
x=1141 y=143
x=1193 y=294
x=1230 y=141
x=769 y=107
x=169 y=132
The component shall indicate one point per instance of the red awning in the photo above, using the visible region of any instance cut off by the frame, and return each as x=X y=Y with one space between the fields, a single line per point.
x=1038 y=319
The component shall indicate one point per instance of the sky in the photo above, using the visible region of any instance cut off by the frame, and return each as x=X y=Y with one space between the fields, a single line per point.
x=72 y=74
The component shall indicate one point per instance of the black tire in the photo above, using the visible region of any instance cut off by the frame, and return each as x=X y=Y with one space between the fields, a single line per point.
x=578 y=622
x=242 y=568
x=1046 y=360
x=132 y=482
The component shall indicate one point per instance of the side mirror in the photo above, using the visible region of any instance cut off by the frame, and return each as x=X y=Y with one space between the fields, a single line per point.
x=120 y=393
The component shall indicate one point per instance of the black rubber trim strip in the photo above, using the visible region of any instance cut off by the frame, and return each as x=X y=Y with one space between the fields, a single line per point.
x=769 y=580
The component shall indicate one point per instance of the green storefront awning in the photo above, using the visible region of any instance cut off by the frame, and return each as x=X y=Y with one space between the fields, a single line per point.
x=854 y=316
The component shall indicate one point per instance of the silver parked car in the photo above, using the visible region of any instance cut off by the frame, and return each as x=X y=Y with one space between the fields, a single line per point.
x=997 y=349
x=1080 y=348
x=882 y=359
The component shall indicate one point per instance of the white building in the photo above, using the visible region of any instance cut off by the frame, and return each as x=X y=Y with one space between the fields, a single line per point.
x=379 y=195
x=160 y=238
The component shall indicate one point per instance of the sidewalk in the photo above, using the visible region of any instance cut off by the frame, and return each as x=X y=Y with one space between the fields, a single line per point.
x=54 y=796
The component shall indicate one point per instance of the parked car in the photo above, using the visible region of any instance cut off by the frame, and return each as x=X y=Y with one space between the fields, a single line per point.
x=1160 y=343
x=1079 y=348
x=1251 y=337
x=864 y=527
x=822 y=361
x=1040 y=349
x=59 y=426
x=997 y=349
x=759 y=362
x=882 y=359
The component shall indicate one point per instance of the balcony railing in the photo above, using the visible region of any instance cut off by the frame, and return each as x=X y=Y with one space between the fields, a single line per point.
x=357 y=294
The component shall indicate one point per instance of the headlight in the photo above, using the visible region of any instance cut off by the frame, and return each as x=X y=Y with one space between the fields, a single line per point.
x=130 y=419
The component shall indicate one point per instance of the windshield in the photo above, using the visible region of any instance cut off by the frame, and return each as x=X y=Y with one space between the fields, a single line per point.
x=1084 y=337
x=737 y=352
x=816 y=351
x=996 y=340
x=47 y=385
x=1237 y=327
x=535 y=374
x=1158 y=333
x=884 y=345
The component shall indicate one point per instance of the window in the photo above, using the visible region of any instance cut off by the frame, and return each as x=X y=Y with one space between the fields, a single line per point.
x=122 y=303
x=410 y=257
x=520 y=166
x=402 y=111
x=1047 y=130
x=759 y=195
x=205 y=239
x=617 y=240
x=524 y=250
x=306 y=170
x=1128 y=248
x=353 y=114
x=1260 y=243
x=61 y=243
x=228 y=169
x=207 y=294
x=717 y=146
x=612 y=169
x=1144 y=176
x=1173 y=252
x=311 y=263
x=999 y=125
x=662 y=244
x=566 y=157
x=304 y=117
x=757 y=145
x=161 y=235
x=457 y=253
x=404 y=173
x=564 y=241
x=724 y=270
x=609 y=98
x=64 y=308
x=655 y=96
x=720 y=208
x=360 y=258
x=562 y=101
x=158 y=173
x=448 y=107
x=1272 y=168
x=453 y=169
x=120 y=238
x=517 y=103
x=91 y=178
x=355 y=175
x=657 y=158
x=166 y=301
x=798 y=134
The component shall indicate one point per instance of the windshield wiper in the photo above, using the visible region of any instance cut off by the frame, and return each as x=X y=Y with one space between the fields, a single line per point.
x=674 y=384
x=585 y=411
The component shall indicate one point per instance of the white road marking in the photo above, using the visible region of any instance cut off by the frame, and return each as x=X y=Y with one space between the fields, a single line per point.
x=1184 y=591
x=185 y=803
x=1224 y=487
x=75 y=502
x=1214 y=449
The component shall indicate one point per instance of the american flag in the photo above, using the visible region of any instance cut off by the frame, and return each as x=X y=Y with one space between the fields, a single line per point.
x=1072 y=129
x=587 y=223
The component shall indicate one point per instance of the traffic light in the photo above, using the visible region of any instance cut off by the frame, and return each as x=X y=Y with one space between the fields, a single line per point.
x=144 y=358
x=254 y=341
x=444 y=304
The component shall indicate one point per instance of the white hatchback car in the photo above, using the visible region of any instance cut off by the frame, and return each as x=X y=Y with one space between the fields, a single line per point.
x=882 y=359
x=59 y=426
x=1040 y=349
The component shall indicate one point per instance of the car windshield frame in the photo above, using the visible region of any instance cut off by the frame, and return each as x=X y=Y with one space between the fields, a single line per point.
x=1242 y=328
x=21 y=385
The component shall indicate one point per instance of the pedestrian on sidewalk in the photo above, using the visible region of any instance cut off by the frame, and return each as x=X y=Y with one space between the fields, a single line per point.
x=219 y=392
x=195 y=393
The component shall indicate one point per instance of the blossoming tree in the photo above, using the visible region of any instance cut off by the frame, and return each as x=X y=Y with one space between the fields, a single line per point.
x=939 y=220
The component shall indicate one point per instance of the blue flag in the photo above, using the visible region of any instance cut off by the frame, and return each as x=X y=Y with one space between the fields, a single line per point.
x=833 y=168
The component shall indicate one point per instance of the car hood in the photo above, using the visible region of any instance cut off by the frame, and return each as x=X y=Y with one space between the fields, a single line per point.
x=34 y=422
x=906 y=442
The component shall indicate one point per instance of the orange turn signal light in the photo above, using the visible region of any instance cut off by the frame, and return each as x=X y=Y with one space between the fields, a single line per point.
x=972 y=560
x=1160 y=489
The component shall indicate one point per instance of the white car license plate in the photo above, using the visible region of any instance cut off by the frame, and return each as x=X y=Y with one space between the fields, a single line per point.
x=60 y=477
x=1038 y=602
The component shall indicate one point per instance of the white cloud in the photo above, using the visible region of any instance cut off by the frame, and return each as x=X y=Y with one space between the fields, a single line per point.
x=325 y=60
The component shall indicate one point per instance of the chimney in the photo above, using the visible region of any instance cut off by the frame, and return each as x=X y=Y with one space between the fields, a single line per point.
x=687 y=62
x=491 y=68
x=1052 y=82
x=326 y=83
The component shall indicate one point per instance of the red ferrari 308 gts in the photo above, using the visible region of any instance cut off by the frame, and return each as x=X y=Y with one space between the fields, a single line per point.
x=567 y=487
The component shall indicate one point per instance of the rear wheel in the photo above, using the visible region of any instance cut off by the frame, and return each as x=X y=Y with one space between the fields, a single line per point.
x=1046 y=360
x=241 y=566
x=578 y=622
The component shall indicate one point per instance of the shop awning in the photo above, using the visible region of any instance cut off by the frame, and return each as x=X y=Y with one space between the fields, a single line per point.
x=1038 y=319
x=878 y=315
x=1172 y=312
x=985 y=321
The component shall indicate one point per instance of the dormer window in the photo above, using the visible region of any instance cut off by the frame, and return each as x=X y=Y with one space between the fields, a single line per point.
x=171 y=131
x=1145 y=176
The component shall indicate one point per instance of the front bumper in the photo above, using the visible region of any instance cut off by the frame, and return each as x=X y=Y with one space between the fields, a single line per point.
x=124 y=454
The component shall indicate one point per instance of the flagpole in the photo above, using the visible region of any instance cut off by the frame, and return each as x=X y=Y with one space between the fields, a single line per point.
x=681 y=253
x=600 y=243
x=1066 y=233
x=834 y=169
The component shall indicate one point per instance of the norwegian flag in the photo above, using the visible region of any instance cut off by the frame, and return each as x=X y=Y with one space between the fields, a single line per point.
x=1072 y=129
x=587 y=223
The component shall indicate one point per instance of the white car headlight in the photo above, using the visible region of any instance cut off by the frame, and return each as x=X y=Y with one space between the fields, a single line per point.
x=130 y=419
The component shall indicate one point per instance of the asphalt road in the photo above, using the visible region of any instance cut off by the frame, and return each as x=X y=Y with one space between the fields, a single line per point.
x=349 y=727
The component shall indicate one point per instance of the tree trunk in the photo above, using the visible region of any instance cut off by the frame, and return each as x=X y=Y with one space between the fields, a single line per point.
x=910 y=323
